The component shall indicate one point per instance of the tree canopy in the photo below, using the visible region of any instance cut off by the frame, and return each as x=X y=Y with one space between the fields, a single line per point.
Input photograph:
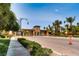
x=7 y=18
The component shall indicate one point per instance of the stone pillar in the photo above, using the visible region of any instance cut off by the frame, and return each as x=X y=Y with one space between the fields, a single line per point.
x=47 y=33
x=39 y=33
x=36 y=33
x=15 y=33
x=23 y=34
x=33 y=33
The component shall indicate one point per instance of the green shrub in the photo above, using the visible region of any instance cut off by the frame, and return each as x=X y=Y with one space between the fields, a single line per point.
x=28 y=44
x=47 y=51
x=2 y=36
x=25 y=42
x=35 y=48
x=20 y=39
x=41 y=52
x=35 y=45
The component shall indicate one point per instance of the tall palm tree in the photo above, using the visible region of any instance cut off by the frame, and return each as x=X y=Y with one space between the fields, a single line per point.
x=47 y=29
x=66 y=27
x=78 y=24
x=50 y=29
x=70 y=20
x=56 y=25
x=44 y=28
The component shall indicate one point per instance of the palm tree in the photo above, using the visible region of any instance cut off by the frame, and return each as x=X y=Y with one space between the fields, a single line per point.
x=47 y=29
x=56 y=25
x=50 y=29
x=44 y=28
x=66 y=27
x=77 y=28
x=49 y=26
x=70 y=20
x=78 y=24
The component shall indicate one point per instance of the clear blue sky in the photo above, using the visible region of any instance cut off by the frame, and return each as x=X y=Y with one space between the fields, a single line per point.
x=44 y=14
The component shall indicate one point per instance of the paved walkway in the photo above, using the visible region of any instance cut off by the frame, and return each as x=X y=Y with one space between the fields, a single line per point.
x=16 y=49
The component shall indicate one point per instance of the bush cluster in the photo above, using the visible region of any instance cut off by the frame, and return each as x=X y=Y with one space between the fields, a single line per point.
x=34 y=48
x=2 y=36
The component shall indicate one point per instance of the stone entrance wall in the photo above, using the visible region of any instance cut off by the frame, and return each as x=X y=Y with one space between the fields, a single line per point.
x=36 y=31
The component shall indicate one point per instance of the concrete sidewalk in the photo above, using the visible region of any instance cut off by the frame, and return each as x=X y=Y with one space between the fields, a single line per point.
x=16 y=49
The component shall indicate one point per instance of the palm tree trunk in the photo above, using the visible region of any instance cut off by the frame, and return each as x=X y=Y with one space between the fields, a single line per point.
x=71 y=28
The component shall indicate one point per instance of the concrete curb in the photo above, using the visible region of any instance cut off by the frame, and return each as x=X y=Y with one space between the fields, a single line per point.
x=62 y=37
x=57 y=53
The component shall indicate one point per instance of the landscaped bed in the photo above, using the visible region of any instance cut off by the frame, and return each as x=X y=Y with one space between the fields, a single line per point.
x=34 y=48
x=4 y=43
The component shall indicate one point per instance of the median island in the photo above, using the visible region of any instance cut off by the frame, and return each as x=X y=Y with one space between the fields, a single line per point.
x=35 y=48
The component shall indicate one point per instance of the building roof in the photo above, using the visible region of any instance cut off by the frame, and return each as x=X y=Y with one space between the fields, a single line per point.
x=36 y=26
x=32 y=29
x=27 y=29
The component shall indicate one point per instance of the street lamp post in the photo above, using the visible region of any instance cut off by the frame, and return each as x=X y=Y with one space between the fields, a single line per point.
x=21 y=22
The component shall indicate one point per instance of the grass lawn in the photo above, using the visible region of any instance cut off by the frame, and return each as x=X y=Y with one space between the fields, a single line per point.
x=4 y=43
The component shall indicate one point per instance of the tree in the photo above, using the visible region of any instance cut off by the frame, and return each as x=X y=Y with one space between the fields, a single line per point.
x=66 y=26
x=4 y=10
x=13 y=26
x=7 y=18
x=50 y=29
x=12 y=23
x=47 y=29
x=77 y=28
x=44 y=28
x=70 y=20
x=56 y=25
x=78 y=24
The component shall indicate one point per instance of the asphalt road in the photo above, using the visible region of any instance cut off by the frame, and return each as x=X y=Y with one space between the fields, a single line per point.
x=60 y=45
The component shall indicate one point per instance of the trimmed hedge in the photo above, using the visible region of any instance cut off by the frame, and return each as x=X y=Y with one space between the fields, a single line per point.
x=34 y=48
x=41 y=52
x=2 y=36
